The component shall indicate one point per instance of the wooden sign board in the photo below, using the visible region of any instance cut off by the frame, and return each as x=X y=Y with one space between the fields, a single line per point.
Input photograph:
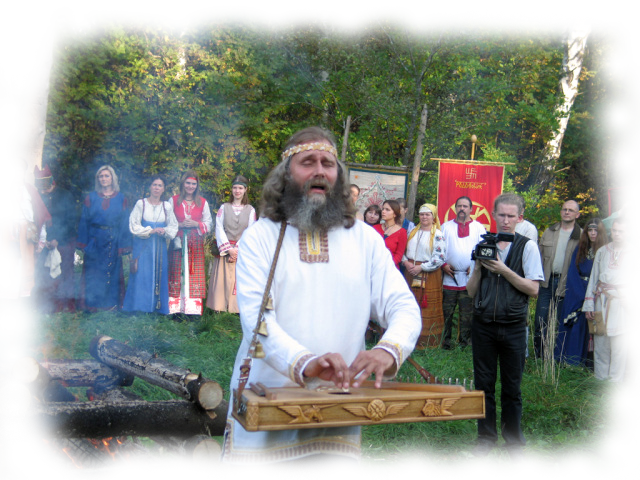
x=287 y=408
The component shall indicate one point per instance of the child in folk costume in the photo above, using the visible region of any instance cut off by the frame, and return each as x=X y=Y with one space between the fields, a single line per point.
x=187 y=284
x=232 y=219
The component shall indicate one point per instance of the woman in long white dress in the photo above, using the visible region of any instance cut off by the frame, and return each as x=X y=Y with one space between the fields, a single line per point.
x=232 y=219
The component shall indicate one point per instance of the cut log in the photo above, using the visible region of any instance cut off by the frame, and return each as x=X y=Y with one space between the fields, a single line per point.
x=99 y=419
x=206 y=393
x=201 y=452
x=87 y=373
x=42 y=385
x=157 y=371
x=15 y=398
x=29 y=372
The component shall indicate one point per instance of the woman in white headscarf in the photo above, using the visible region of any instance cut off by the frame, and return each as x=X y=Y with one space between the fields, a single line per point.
x=425 y=254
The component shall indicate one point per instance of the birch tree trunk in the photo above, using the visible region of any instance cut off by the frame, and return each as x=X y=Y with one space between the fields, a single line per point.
x=575 y=47
x=34 y=111
x=182 y=47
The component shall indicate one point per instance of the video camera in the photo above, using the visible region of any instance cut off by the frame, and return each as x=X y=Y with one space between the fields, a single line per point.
x=487 y=249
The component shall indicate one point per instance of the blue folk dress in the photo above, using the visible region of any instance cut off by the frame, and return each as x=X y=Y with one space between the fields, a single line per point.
x=573 y=330
x=148 y=286
x=103 y=235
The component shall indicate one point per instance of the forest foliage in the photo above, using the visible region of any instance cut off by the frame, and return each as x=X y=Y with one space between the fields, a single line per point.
x=224 y=99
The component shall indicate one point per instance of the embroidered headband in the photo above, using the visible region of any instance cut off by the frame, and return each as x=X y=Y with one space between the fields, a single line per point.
x=239 y=183
x=303 y=147
x=191 y=178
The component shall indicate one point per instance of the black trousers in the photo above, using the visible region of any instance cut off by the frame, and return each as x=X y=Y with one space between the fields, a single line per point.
x=496 y=344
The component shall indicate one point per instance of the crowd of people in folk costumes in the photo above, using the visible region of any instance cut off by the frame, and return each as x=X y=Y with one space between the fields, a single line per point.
x=578 y=281
x=166 y=241
x=411 y=282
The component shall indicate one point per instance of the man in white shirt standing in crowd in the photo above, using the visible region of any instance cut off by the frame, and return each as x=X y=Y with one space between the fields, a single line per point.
x=461 y=235
x=556 y=246
x=333 y=274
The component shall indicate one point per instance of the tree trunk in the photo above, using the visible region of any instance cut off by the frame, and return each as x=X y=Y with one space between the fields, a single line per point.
x=345 y=139
x=87 y=373
x=575 y=48
x=99 y=419
x=207 y=393
x=417 y=162
x=34 y=110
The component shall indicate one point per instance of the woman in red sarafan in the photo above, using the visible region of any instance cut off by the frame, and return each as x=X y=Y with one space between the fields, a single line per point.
x=187 y=283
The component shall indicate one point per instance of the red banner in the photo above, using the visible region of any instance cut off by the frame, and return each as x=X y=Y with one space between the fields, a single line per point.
x=480 y=182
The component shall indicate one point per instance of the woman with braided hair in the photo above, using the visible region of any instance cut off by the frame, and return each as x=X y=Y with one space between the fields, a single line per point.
x=425 y=254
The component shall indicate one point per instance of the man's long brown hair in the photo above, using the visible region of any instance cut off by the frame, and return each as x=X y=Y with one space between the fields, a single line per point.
x=274 y=186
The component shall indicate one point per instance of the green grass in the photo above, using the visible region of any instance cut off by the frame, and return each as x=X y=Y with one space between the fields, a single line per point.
x=561 y=416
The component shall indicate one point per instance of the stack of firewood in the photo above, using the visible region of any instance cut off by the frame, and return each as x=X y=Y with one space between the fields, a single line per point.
x=35 y=396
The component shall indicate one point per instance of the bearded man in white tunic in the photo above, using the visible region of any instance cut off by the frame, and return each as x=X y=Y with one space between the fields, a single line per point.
x=609 y=292
x=333 y=274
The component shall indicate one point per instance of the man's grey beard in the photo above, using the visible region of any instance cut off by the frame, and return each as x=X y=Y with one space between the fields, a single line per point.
x=313 y=213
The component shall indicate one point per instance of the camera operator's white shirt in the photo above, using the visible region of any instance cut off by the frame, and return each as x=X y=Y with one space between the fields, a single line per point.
x=531 y=262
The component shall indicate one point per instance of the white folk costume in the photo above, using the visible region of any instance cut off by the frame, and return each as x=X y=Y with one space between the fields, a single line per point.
x=231 y=222
x=606 y=294
x=325 y=290
x=461 y=240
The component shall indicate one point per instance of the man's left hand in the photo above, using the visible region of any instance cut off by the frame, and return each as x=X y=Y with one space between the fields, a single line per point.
x=375 y=361
x=495 y=266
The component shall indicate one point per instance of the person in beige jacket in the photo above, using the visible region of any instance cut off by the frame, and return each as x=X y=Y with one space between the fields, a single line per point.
x=556 y=246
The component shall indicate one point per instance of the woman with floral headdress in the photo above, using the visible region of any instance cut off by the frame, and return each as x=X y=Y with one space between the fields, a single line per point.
x=187 y=284
x=232 y=219
x=425 y=254
x=15 y=245
x=103 y=236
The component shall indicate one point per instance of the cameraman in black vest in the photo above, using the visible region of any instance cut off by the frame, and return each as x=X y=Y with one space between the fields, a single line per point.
x=500 y=290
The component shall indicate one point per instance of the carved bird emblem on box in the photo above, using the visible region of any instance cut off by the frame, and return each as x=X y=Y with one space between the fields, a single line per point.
x=438 y=407
x=376 y=410
x=311 y=413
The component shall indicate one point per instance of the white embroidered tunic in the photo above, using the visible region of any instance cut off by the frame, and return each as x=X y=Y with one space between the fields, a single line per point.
x=319 y=307
x=606 y=289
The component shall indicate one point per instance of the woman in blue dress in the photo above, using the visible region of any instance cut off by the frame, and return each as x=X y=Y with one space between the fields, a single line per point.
x=103 y=235
x=152 y=223
x=573 y=332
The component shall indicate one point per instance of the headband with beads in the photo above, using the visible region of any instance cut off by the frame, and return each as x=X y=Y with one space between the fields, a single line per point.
x=309 y=146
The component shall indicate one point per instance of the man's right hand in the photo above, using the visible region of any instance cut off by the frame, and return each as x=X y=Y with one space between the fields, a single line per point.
x=446 y=268
x=331 y=367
